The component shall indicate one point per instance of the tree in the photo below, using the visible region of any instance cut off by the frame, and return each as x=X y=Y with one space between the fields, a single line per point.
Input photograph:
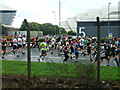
x=47 y=28
x=4 y=30
x=71 y=33
x=63 y=31
x=23 y=27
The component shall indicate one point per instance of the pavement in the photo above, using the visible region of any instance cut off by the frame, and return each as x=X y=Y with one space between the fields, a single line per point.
x=53 y=58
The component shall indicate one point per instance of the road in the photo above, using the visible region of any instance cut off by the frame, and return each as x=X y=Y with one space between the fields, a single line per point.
x=54 y=58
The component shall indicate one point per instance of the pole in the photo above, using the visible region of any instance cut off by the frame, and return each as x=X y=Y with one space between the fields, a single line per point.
x=28 y=50
x=108 y=18
x=98 y=47
x=55 y=22
x=59 y=17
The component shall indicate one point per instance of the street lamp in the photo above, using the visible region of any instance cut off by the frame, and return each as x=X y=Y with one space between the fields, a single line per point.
x=55 y=21
x=59 y=16
x=108 y=18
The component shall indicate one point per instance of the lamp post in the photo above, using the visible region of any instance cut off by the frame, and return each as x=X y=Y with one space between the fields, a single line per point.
x=108 y=18
x=55 y=21
x=59 y=16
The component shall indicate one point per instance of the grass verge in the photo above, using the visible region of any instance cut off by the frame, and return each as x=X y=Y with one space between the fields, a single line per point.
x=59 y=69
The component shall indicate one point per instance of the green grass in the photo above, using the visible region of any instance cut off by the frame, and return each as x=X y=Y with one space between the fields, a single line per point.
x=58 y=69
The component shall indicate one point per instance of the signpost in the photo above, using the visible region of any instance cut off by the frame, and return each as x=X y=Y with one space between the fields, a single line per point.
x=98 y=48
x=28 y=50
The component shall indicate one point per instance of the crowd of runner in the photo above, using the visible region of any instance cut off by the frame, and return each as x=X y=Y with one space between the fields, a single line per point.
x=67 y=46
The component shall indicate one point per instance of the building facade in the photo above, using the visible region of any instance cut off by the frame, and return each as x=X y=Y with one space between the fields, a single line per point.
x=87 y=22
x=90 y=28
x=7 y=15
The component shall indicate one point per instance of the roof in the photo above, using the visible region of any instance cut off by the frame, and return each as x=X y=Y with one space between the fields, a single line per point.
x=7 y=15
x=3 y=7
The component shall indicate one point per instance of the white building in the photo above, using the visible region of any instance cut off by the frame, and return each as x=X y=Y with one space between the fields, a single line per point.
x=7 y=15
x=90 y=15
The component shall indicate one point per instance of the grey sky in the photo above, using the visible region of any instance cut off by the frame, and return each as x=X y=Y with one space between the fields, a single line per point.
x=41 y=11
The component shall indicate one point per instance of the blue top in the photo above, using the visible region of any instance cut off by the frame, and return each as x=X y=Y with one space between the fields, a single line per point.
x=0 y=40
x=118 y=43
x=76 y=50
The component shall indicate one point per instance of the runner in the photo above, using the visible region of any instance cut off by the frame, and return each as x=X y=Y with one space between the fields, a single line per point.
x=82 y=45
x=88 y=45
x=106 y=54
x=66 y=52
x=37 y=44
x=24 y=41
x=118 y=48
x=15 y=47
x=53 y=41
x=20 y=44
x=59 y=47
x=72 y=47
x=44 y=52
x=113 y=54
x=47 y=47
x=4 y=44
x=11 y=41
x=76 y=50
x=0 y=45
x=33 y=42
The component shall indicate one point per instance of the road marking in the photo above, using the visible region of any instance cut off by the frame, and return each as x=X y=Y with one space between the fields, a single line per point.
x=79 y=58
x=53 y=57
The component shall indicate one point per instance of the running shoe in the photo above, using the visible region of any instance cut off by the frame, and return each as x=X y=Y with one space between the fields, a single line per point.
x=23 y=53
x=39 y=59
x=3 y=57
x=17 y=55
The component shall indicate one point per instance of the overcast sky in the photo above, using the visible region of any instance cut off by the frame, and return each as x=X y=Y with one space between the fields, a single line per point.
x=41 y=11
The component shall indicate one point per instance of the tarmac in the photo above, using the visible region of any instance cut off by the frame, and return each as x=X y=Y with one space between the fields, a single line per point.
x=52 y=58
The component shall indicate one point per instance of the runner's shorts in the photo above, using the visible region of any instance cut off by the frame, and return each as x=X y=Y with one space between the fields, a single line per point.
x=19 y=45
x=4 y=51
x=43 y=51
x=76 y=53
x=14 y=47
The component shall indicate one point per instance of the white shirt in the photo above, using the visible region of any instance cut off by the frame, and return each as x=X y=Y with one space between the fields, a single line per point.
x=53 y=41
x=24 y=40
x=19 y=41
x=15 y=41
x=81 y=42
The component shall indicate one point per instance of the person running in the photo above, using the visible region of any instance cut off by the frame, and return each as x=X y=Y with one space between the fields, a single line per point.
x=47 y=37
x=47 y=47
x=33 y=42
x=71 y=47
x=20 y=44
x=76 y=50
x=59 y=38
x=113 y=54
x=88 y=45
x=118 y=48
x=15 y=46
x=94 y=54
x=37 y=44
x=82 y=45
x=66 y=52
x=106 y=54
x=0 y=44
x=59 y=47
x=105 y=42
x=4 y=44
x=24 y=41
x=44 y=52
x=53 y=41
x=11 y=41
